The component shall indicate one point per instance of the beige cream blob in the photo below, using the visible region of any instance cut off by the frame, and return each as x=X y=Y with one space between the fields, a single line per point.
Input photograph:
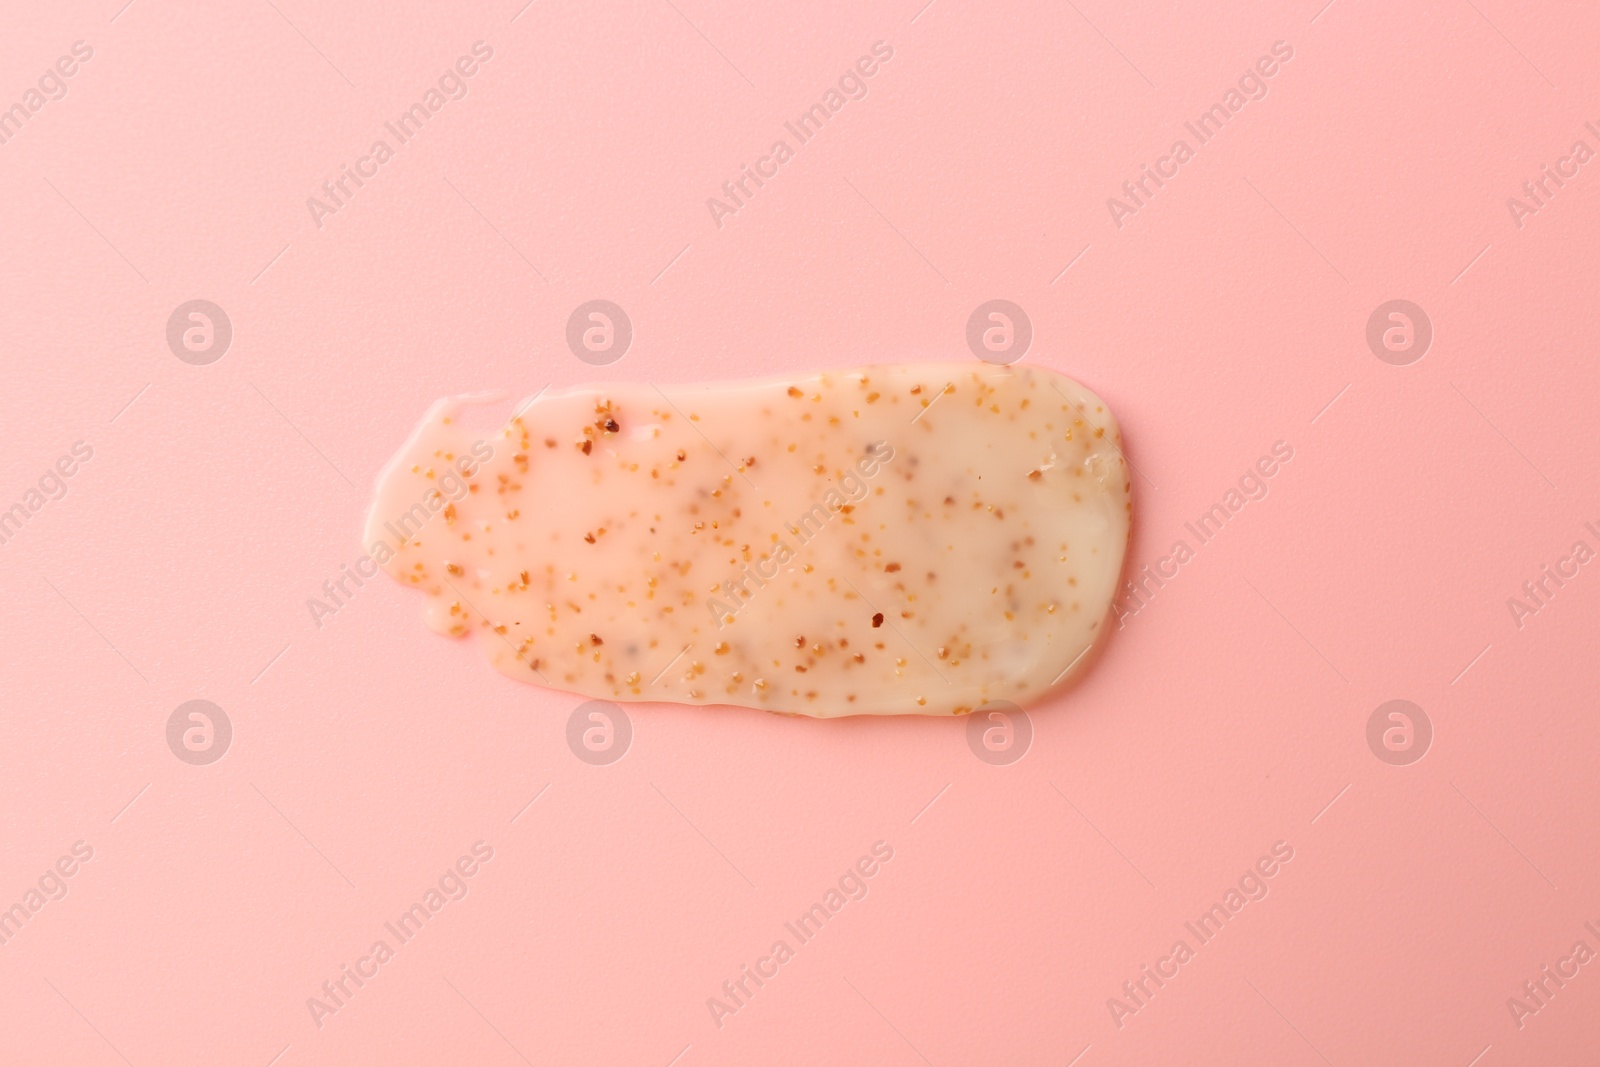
x=890 y=540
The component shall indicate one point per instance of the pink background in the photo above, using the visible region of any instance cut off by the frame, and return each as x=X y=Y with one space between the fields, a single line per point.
x=1229 y=714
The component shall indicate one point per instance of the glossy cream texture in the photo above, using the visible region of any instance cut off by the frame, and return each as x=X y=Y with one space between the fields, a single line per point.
x=917 y=539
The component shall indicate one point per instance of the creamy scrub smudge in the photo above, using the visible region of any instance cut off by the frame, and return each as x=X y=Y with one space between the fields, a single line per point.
x=913 y=539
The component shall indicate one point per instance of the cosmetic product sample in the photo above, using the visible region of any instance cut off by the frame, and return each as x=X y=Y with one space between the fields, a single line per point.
x=900 y=539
